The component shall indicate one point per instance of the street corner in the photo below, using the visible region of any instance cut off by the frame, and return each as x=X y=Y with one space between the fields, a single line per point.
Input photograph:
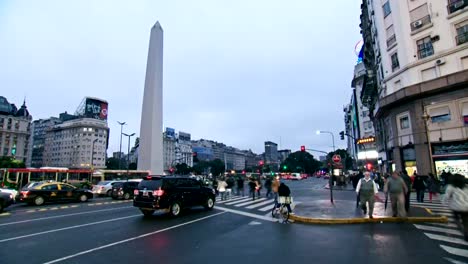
x=345 y=212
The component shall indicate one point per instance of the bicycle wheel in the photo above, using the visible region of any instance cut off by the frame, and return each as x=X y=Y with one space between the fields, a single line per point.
x=274 y=212
x=284 y=213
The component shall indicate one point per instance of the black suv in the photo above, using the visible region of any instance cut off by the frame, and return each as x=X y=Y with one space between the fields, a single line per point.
x=123 y=190
x=171 y=193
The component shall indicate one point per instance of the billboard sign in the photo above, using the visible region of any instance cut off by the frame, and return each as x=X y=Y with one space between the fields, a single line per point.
x=184 y=136
x=170 y=132
x=95 y=108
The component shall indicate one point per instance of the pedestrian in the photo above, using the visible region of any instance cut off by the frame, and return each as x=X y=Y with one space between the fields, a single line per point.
x=367 y=189
x=433 y=186
x=456 y=196
x=258 y=186
x=252 y=185
x=240 y=186
x=222 y=185
x=406 y=178
x=268 y=183
x=396 y=188
x=284 y=191
x=274 y=187
x=230 y=185
x=420 y=187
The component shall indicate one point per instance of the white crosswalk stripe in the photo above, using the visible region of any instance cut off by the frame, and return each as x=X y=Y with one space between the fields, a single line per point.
x=259 y=204
x=448 y=235
x=239 y=201
x=231 y=200
x=251 y=202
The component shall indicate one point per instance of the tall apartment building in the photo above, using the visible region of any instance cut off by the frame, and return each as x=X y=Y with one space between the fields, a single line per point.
x=39 y=130
x=169 y=145
x=271 y=155
x=15 y=130
x=416 y=85
x=184 y=153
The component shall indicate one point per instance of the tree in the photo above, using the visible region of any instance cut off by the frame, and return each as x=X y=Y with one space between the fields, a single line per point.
x=217 y=167
x=112 y=164
x=346 y=159
x=201 y=167
x=132 y=166
x=10 y=162
x=183 y=169
x=301 y=162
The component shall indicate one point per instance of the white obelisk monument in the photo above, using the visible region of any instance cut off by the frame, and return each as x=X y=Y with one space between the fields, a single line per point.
x=150 y=153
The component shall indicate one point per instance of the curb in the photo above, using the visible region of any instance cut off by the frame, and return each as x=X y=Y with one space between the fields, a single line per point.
x=338 y=221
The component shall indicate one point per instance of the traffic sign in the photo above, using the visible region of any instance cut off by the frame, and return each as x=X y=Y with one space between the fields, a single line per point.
x=336 y=158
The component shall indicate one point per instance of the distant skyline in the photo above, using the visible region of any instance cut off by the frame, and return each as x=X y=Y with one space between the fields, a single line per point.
x=240 y=73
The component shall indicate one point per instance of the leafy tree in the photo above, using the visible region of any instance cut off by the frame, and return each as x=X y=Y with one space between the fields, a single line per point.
x=112 y=164
x=10 y=162
x=217 y=167
x=183 y=169
x=201 y=167
x=301 y=162
x=346 y=159
x=132 y=166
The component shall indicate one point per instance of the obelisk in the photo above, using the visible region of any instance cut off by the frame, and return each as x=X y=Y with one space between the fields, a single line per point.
x=150 y=153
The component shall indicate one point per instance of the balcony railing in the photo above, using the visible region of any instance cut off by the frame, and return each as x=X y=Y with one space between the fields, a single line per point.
x=462 y=38
x=457 y=5
x=391 y=40
x=417 y=24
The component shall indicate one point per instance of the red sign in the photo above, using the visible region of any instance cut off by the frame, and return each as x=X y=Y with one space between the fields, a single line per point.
x=336 y=158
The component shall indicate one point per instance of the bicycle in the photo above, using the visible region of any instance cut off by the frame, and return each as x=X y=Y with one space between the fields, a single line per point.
x=280 y=209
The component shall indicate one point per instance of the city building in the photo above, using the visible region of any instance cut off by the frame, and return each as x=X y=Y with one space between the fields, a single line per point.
x=39 y=130
x=271 y=155
x=184 y=153
x=15 y=130
x=169 y=148
x=415 y=84
x=151 y=148
x=79 y=140
x=283 y=155
x=251 y=160
x=203 y=149
x=233 y=158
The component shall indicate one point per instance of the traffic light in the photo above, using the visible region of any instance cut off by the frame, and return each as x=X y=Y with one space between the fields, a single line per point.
x=285 y=167
x=303 y=149
x=243 y=172
x=369 y=166
x=171 y=170
x=260 y=163
x=342 y=135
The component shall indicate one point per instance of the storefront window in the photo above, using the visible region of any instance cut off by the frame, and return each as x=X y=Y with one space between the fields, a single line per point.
x=452 y=166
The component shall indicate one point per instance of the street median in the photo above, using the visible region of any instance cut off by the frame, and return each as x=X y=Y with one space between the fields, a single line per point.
x=339 y=221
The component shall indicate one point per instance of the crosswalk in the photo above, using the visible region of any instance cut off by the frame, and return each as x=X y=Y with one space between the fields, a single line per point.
x=448 y=235
x=260 y=206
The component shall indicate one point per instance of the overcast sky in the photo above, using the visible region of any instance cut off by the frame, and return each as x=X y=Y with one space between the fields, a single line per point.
x=239 y=72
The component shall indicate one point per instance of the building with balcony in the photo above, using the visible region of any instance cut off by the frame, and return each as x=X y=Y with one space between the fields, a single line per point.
x=15 y=130
x=418 y=52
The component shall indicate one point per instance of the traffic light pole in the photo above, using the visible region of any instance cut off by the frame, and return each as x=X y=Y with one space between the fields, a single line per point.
x=330 y=179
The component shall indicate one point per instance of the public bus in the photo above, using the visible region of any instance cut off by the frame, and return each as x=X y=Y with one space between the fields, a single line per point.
x=117 y=175
x=15 y=178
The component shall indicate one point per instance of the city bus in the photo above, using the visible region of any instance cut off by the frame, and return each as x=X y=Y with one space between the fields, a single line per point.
x=118 y=175
x=14 y=178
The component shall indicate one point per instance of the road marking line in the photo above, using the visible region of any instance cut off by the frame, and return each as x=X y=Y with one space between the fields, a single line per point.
x=64 y=207
x=447 y=239
x=445 y=224
x=239 y=201
x=259 y=204
x=53 y=208
x=74 y=206
x=42 y=209
x=132 y=238
x=60 y=216
x=251 y=202
x=246 y=214
x=235 y=199
x=90 y=204
x=439 y=229
x=5 y=214
x=30 y=211
x=267 y=208
x=454 y=261
x=231 y=198
x=67 y=228
x=456 y=251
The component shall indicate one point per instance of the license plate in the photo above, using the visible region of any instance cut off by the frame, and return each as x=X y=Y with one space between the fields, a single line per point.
x=145 y=193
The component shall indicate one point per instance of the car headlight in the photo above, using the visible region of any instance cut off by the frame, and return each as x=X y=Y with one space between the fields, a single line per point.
x=11 y=196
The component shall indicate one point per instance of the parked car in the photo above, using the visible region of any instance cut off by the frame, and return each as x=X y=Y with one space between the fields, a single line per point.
x=103 y=188
x=6 y=199
x=172 y=193
x=123 y=190
x=14 y=193
x=54 y=192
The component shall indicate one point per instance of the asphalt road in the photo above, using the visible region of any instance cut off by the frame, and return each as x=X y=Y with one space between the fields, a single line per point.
x=105 y=231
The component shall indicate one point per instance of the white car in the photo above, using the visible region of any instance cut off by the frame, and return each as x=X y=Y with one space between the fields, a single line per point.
x=103 y=188
x=14 y=193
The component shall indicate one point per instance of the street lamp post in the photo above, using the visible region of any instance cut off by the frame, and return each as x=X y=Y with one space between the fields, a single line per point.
x=330 y=180
x=120 y=150
x=128 y=153
x=426 y=118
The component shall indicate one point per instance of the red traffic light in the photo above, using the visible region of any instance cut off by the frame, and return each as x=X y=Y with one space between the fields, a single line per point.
x=243 y=172
x=369 y=166
x=260 y=163
x=303 y=149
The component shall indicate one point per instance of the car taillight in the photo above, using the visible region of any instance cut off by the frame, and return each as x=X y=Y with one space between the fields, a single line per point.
x=25 y=193
x=136 y=192
x=158 y=192
x=102 y=187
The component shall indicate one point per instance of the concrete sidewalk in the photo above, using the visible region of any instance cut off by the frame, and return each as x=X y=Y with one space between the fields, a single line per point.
x=321 y=211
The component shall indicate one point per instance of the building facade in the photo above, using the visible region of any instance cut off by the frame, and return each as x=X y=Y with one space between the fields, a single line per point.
x=38 y=137
x=271 y=155
x=416 y=85
x=184 y=152
x=15 y=130
x=283 y=155
x=169 y=152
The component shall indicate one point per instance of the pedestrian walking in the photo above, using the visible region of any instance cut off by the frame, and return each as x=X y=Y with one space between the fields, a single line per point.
x=240 y=186
x=420 y=187
x=252 y=186
x=396 y=188
x=258 y=187
x=367 y=189
x=274 y=187
x=407 y=179
x=222 y=185
x=230 y=185
x=268 y=183
x=433 y=186
x=456 y=196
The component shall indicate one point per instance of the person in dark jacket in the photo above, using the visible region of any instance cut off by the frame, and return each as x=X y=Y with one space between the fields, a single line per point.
x=407 y=180
x=283 y=190
x=268 y=183
x=240 y=186
x=420 y=187
x=433 y=186
x=252 y=185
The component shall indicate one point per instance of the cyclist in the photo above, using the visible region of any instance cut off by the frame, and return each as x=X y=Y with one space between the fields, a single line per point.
x=283 y=190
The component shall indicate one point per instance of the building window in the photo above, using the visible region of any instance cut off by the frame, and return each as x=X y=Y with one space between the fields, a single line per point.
x=367 y=125
x=404 y=122
x=462 y=34
x=465 y=113
x=440 y=114
x=425 y=48
x=386 y=9
x=420 y=17
x=391 y=38
x=395 y=62
x=455 y=5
